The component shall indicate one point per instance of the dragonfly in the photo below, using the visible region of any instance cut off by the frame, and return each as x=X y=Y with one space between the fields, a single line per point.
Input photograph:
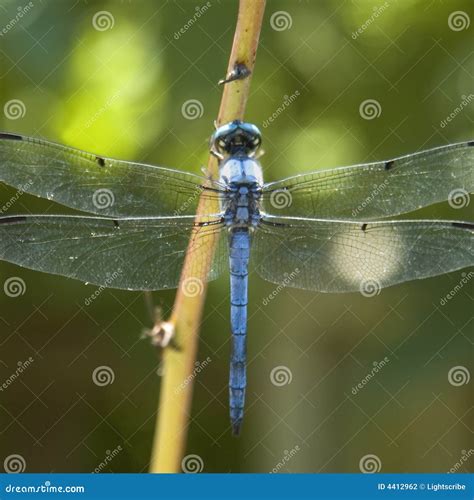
x=325 y=231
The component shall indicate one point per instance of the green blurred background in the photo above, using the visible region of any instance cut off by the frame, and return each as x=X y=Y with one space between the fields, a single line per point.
x=116 y=84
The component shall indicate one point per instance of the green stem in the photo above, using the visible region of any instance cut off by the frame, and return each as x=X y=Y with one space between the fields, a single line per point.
x=175 y=398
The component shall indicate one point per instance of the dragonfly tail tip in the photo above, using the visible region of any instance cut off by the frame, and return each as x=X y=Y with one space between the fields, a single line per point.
x=236 y=427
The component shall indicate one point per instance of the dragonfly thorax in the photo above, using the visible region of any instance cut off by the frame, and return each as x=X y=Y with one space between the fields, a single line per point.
x=240 y=170
x=243 y=180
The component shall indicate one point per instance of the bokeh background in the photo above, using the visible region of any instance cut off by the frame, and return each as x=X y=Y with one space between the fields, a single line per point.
x=120 y=84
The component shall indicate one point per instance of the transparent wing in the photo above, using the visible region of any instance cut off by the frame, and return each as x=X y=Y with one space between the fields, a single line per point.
x=133 y=254
x=345 y=256
x=99 y=185
x=376 y=190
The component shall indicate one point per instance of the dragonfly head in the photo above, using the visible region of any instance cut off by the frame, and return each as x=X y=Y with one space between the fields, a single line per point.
x=235 y=138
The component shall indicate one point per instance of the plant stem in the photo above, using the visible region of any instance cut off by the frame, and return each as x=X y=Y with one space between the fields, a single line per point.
x=175 y=398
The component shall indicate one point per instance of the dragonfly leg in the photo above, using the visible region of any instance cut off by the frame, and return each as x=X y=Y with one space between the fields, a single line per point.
x=162 y=334
x=239 y=72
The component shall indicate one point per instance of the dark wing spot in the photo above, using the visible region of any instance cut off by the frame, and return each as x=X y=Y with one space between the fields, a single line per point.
x=13 y=137
x=470 y=143
x=116 y=223
x=464 y=225
x=100 y=161
x=363 y=227
x=12 y=220
x=389 y=164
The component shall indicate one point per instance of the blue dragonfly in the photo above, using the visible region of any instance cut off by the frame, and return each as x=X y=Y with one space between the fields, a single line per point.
x=315 y=231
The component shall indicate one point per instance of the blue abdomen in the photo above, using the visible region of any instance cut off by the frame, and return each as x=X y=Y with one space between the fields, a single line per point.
x=239 y=259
